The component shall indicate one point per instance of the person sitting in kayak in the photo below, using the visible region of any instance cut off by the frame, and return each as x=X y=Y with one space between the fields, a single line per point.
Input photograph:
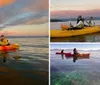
x=3 y=40
x=91 y=22
x=79 y=18
x=79 y=25
x=62 y=51
x=75 y=52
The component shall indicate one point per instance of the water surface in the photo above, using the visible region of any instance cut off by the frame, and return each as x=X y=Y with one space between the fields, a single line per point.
x=83 y=72
x=29 y=65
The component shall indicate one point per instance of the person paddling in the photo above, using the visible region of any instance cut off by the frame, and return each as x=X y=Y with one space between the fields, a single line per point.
x=79 y=25
x=62 y=53
x=3 y=40
x=75 y=52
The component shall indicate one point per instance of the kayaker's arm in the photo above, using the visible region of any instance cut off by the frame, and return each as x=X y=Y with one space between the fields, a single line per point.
x=87 y=22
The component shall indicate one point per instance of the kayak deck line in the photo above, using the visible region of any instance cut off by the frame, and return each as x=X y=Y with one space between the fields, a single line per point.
x=70 y=33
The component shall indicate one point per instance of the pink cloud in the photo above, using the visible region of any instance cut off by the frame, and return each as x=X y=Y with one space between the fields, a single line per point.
x=74 y=13
x=43 y=5
x=6 y=33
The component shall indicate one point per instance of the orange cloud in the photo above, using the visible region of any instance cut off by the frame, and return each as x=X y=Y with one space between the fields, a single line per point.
x=6 y=2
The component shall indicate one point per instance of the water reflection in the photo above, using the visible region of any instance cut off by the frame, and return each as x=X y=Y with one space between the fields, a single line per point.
x=62 y=55
x=75 y=57
x=95 y=37
x=5 y=55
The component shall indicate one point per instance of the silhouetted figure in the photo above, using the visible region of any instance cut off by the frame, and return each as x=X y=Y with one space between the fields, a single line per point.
x=75 y=52
x=62 y=53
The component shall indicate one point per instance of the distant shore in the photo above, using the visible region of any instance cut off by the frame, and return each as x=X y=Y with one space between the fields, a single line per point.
x=68 y=19
x=27 y=36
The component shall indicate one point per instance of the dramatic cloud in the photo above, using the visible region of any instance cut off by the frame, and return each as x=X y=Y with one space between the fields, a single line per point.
x=23 y=12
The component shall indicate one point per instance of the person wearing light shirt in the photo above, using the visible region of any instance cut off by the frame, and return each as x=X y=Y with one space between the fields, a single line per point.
x=79 y=25
x=91 y=22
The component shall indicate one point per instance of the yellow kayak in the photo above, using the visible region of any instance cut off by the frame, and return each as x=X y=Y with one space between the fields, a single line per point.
x=69 y=33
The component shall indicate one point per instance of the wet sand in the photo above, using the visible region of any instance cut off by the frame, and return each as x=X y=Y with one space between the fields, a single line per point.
x=14 y=77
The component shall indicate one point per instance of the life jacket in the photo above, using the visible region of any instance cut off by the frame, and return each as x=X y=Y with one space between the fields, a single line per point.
x=2 y=40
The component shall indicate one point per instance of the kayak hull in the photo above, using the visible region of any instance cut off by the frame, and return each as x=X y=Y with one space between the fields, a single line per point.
x=69 y=33
x=83 y=55
x=87 y=55
x=11 y=47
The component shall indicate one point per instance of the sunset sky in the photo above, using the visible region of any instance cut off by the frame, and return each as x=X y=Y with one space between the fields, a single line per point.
x=72 y=8
x=24 y=17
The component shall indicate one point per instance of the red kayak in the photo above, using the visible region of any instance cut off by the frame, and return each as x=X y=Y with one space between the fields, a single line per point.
x=62 y=53
x=69 y=55
x=84 y=55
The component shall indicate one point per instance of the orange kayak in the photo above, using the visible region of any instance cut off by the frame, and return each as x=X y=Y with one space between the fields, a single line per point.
x=86 y=55
x=9 y=48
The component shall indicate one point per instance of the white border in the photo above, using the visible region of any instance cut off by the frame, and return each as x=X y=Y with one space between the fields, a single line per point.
x=49 y=42
x=75 y=43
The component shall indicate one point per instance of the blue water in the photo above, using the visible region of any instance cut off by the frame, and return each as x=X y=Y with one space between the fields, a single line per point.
x=83 y=72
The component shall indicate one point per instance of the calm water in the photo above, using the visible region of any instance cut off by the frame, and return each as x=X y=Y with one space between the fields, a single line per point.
x=82 y=72
x=84 y=38
x=34 y=57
